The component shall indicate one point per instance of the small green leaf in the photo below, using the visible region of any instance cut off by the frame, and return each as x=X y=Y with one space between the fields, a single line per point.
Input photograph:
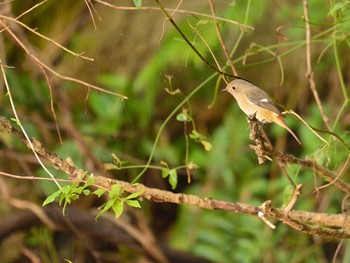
x=173 y=178
x=52 y=197
x=16 y=121
x=195 y=135
x=133 y=195
x=111 y=166
x=86 y=192
x=90 y=181
x=73 y=196
x=79 y=189
x=118 y=208
x=203 y=22
x=192 y=166
x=104 y=208
x=138 y=3
x=183 y=117
x=115 y=191
x=165 y=172
x=207 y=145
x=133 y=203
x=99 y=192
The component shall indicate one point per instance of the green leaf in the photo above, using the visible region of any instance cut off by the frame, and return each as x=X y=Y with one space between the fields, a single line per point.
x=203 y=22
x=115 y=191
x=99 y=192
x=133 y=195
x=118 y=208
x=111 y=166
x=90 y=181
x=138 y=3
x=52 y=197
x=105 y=207
x=173 y=178
x=73 y=196
x=86 y=192
x=133 y=203
x=165 y=172
x=78 y=190
x=195 y=135
x=183 y=117
x=207 y=145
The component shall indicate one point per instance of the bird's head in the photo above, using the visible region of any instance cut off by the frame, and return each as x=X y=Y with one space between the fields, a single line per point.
x=237 y=87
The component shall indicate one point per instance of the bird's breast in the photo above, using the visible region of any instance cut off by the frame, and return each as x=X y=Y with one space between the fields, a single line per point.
x=249 y=108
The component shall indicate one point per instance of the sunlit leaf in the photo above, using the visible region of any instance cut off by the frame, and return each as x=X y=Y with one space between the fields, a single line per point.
x=173 y=178
x=99 y=192
x=111 y=166
x=165 y=172
x=133 y=203
x=86 y=191
x=118 y=208
x=115 y=191
x=207 y=145
x=183 y=117
x=52 y=197
x=133 y=195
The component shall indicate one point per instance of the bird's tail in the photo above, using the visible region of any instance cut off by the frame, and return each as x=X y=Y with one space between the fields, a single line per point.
x=280 y=121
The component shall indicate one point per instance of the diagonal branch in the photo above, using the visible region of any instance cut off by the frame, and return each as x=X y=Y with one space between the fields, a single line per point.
x=189 y=42
x=310 y=73
x=336 y=225
x=48 y=68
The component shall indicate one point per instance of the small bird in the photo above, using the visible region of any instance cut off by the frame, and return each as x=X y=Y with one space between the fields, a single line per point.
x=253 y=100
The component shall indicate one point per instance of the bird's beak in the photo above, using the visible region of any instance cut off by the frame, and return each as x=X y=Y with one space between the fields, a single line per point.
x=224 y=89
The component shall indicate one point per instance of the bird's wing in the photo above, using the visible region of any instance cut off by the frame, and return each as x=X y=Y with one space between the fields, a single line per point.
x=262 y=99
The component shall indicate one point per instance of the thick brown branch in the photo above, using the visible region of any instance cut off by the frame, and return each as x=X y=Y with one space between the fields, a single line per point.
x=336 y=226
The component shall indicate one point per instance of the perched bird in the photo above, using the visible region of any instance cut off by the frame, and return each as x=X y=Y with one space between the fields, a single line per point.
x=253 y=100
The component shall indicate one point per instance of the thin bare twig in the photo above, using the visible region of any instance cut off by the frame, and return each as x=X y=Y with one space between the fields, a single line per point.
x=218 y=32
x=310 y=73
x=338 y=176
x=31 y=146
x=293 y=200
x=261 y=215
x=90 y=8
x=44 y=37
x=190 y=44
x=177 y=11
x=207 y=45
x=53 y=71
x=51 y=104
x=31 y=9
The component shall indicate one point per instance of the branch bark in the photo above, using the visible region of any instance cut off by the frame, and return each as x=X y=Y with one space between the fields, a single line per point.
x=327 y=225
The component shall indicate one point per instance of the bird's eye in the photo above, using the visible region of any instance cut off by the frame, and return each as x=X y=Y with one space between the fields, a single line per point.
x=234 y=87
